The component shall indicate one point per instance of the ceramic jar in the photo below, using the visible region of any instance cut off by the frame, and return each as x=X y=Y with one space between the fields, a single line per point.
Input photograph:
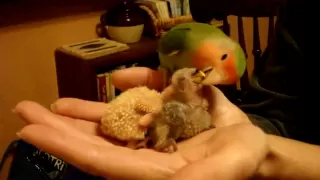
x=125 y=22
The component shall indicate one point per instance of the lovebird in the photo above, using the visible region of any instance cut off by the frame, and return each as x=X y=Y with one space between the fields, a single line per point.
x=205 y=47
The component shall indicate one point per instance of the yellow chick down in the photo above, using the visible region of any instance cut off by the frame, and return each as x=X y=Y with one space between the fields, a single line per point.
x=121 y=119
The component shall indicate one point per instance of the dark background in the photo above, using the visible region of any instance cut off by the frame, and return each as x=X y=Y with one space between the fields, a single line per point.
x=13 y=12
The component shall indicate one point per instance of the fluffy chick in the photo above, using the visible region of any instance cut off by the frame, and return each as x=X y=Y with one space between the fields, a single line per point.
x=121 y=119
x=184 y=113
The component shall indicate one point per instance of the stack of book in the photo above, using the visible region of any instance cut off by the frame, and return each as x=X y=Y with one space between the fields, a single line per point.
x=165 y=9
x=105 y=87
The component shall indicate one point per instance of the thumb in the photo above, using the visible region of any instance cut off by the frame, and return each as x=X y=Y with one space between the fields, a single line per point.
x=223 y=112
x=136 y=76
x=233 y=153
x=215 y=96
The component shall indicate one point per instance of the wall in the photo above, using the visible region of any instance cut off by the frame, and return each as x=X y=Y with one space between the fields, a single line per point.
x=27 y=69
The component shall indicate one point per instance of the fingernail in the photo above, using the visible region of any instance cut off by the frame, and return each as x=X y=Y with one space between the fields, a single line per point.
x=53 y=107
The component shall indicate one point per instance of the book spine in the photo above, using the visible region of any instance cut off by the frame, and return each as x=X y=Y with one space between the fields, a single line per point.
x=104 y=92
x=152 y=4
x=179 y=8
x=98 y=87
x=186 y=7
x=107 y=87
x=101 y=87
x=111 y=86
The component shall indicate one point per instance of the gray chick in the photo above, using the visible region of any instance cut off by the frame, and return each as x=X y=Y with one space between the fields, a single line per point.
x=184 y=112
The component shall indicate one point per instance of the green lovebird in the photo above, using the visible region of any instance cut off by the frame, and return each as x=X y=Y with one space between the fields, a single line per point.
x=220 y=59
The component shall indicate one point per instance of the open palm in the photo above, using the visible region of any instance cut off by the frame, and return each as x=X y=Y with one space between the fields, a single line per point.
x=70 y=132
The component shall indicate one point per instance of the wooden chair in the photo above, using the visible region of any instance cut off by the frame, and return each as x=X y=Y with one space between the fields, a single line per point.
x=206 y=10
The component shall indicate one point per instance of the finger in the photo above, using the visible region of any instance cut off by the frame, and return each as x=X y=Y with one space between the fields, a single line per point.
x=122 y=79
x=136 y=76
x=84 y=126
x=115 y=162
x=34 y=113
x=80 y=109
x=74 y=150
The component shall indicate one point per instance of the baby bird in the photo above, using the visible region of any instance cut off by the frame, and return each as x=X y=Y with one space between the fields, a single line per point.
x=184 y=112
x=121 y=119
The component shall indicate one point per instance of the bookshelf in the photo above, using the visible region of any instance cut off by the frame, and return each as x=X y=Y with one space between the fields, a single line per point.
x=77 y=77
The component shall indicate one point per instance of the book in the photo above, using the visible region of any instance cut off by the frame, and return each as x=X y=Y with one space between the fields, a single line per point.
x=101 y=82
x=215 y=23
x=159 y=7
x=170 y=8
x=105 y=88
x=107 y=76
x=186 y=8
x=179 y=7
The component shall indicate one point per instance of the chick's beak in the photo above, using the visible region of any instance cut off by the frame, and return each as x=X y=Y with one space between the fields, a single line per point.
x=207 y=76
x=198 y=76
x=213 y=77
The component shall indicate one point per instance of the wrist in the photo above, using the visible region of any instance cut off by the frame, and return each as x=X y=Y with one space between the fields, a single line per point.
x=289 y=159
x=268 y=166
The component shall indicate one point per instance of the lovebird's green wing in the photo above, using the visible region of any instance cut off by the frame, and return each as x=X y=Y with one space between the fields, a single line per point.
x=241 y=61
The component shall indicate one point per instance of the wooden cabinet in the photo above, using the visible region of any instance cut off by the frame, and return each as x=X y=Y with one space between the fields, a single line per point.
x=77 y=77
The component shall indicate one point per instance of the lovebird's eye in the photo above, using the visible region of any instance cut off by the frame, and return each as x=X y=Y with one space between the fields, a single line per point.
x=224 y=57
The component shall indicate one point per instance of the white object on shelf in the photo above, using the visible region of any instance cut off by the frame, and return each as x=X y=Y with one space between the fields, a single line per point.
x=125 y=34
x=94 y=48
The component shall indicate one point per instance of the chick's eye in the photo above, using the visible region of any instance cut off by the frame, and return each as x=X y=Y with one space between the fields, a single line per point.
x=224 y=57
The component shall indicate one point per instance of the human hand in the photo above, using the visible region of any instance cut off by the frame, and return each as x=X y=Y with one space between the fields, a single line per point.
x=231 y=151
